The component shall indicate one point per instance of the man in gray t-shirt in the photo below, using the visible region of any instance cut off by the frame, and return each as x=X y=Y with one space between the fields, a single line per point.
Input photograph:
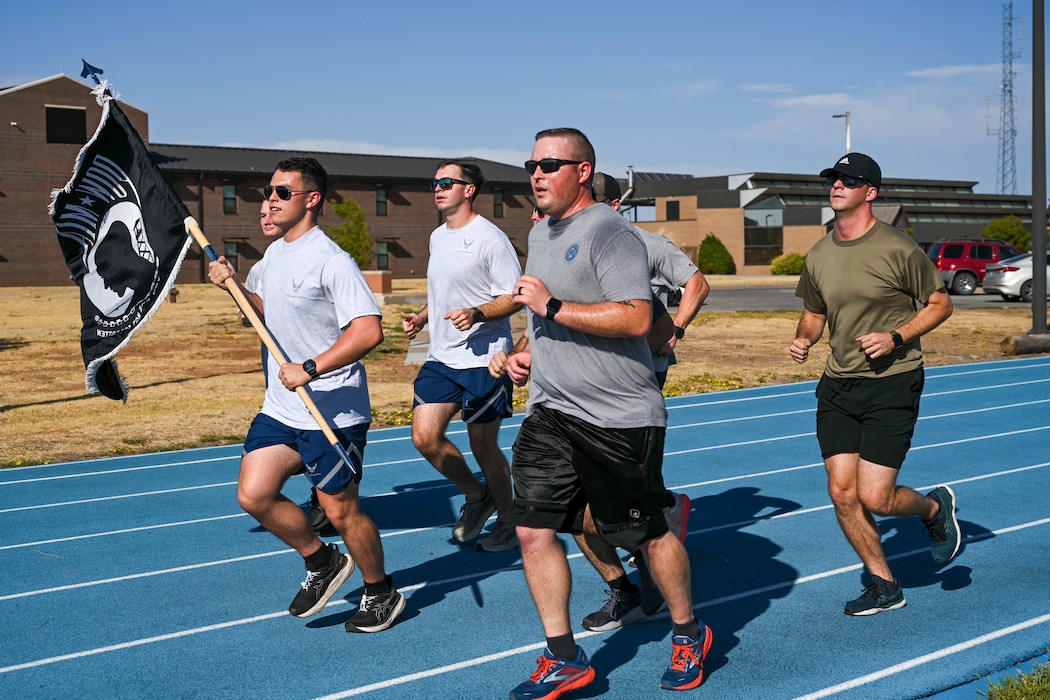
x=596 y=419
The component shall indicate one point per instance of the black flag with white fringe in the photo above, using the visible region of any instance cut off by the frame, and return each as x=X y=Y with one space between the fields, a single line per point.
x=123 y=234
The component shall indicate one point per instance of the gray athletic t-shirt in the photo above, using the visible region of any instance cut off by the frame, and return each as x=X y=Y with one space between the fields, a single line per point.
x=311 y=291
x=590 y=257
x=669 y=268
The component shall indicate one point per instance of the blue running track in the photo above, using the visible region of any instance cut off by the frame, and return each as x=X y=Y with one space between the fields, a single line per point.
x=140 y=577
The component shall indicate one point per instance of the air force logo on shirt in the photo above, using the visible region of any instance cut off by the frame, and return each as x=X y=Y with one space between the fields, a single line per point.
x=572 y=252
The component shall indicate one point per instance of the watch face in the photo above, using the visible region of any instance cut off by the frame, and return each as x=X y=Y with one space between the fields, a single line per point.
x=478 y=316
x=679 y=332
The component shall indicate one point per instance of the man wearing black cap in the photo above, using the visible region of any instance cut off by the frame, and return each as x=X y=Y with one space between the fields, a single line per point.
x=863 y=281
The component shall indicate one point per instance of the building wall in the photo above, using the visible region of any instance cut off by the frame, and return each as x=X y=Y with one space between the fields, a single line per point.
x=30 y=168
x=406 y=228
x=799 y=239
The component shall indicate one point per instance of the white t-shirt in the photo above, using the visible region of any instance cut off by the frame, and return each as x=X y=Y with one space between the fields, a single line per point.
x=468 y=267
x=311 y=291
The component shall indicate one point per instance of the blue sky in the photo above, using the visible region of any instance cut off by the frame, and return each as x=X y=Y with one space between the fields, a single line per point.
x=698 y=87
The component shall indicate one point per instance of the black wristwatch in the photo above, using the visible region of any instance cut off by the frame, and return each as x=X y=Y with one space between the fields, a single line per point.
x=310 y=367
x=553 y=307
x=898 y=341
x=479 y=316
x=679 y=332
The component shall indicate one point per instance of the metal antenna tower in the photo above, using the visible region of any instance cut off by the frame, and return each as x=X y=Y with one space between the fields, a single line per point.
x=1006 y=171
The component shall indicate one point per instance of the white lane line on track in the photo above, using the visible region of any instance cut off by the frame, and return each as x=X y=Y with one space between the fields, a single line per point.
x=459 y=665
x=144 y=528
x=926 y=658
x=118 y=497
x=124 y=470
x=144 y=574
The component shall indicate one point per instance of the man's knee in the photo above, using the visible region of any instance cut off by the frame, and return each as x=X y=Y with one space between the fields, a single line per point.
x=535 y=537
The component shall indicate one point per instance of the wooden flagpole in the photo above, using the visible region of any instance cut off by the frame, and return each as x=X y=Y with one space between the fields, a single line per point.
x=252 y=315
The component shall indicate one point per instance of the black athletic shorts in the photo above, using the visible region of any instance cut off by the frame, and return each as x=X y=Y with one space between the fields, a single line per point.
x=874 y=417
x=562 y=463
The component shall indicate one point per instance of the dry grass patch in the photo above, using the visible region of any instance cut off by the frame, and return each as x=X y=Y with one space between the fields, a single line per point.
x=195 y=373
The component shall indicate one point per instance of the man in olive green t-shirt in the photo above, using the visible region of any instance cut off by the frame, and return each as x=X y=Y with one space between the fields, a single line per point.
x=863 y=281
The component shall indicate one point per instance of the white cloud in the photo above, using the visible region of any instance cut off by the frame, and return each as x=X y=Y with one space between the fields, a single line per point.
x=833 y=100
x=768 y=87
x=948 y=72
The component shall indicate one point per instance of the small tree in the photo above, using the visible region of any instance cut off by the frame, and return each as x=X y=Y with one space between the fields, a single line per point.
x=351 y=233
x=787 y=264
x=713 y=257
x=1010 y=229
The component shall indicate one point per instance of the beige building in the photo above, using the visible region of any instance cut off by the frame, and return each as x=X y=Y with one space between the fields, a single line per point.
x=759 y=216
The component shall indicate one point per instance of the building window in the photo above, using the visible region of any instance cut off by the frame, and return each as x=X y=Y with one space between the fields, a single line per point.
x=382 y=255
x=674 y=212
x=497 y=205
x=763 y=232
x=67 y=125
x=381 y=202
x=229 y=249
x=229 y=199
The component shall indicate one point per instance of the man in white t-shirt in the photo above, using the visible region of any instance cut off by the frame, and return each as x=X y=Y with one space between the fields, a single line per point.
x=320 y=310
x=470 y=284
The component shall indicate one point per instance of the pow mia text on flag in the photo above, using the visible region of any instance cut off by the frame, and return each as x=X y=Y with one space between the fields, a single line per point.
x=123 y=234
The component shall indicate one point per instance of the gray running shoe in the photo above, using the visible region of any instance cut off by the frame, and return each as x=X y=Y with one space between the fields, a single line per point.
x=321 y=585
x=621 y=609
x=501 y=538
x=943 y=530
x=880 y=595
x=472 y=517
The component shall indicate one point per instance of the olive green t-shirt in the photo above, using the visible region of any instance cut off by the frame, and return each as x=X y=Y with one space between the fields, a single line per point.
x=868 y=285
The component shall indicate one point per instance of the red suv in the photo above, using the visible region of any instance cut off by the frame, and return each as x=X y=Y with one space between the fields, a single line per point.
x=962 y=262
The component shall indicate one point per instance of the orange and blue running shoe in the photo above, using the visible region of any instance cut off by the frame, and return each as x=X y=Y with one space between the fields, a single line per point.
x=687 y=662
x=555 y=677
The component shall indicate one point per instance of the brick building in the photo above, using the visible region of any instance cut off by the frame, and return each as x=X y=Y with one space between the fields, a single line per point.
x=51 y=119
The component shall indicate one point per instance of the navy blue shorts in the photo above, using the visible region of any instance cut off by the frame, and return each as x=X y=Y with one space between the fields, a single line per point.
x=321 y=464
x=562 y=463
x=481 y=397
x=872 y=417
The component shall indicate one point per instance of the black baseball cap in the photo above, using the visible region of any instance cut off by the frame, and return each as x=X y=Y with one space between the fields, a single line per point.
x=859 y=166
x=605 y=187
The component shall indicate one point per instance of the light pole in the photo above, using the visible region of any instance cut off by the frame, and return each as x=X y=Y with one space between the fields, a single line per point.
x=846 y=116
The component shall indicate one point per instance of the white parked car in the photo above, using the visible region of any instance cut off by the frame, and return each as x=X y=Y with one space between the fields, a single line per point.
x=1012 y=278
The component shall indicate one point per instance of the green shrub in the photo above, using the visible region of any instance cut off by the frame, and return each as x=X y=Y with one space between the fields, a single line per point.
x=787 y=264
x=713 y=258
x=1035 y=684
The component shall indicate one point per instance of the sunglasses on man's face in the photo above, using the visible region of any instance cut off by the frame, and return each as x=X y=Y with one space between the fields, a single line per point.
x=548 y=165
x=283 y=192
x=446 y=183
x=847 y=181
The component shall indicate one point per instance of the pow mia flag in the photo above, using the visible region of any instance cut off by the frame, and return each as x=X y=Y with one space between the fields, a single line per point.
x=123 y=234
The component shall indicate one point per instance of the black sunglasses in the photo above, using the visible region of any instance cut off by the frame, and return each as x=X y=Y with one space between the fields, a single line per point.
x=446 y=183
x=548 y=165
x=847 y=181
x=282 y=192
